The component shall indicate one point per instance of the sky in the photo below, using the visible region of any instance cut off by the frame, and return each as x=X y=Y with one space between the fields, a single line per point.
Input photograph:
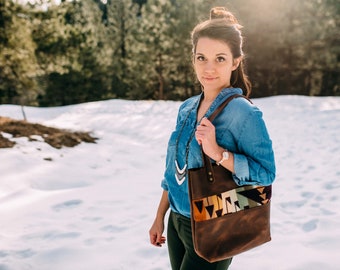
x=91 y=206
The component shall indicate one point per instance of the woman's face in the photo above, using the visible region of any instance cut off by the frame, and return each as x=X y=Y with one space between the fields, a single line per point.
x=213 y=63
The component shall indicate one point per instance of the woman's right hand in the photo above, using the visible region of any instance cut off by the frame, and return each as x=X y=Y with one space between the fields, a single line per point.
x=155 y=233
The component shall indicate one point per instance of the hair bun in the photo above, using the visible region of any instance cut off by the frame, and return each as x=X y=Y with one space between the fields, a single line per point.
x=222 y=13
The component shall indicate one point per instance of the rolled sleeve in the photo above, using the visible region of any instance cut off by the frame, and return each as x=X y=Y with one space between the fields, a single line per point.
x=241 y=168
x=164 y=185
x=254 y=162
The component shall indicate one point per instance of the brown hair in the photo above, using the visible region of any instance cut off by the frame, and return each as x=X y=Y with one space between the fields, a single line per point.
x=223 y=26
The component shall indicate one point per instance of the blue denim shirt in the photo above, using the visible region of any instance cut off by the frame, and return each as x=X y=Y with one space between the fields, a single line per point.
x=239 y=128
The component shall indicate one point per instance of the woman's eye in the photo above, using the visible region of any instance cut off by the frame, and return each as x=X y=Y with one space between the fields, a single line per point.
x=220 y=59
x=200 y=58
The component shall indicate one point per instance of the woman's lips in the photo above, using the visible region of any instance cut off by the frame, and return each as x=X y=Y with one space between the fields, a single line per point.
x=209 y=78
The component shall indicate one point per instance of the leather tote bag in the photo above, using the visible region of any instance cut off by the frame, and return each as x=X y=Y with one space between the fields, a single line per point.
x=226 y=219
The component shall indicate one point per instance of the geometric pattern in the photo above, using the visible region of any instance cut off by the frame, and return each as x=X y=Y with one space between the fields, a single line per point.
x=230 y=201
x=180 y=173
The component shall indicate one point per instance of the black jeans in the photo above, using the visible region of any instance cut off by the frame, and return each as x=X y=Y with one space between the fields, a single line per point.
x=181 y=248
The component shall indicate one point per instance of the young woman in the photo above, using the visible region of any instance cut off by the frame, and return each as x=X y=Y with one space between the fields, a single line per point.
x=238 y=140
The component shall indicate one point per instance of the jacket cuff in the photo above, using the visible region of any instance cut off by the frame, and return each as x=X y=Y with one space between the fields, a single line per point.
x=164 y=185
x=241 y=169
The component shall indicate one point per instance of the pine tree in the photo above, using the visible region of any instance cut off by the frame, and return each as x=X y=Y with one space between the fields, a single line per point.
x=73 y=50
x=18 y=63
x=160 y=56
x=121 y=24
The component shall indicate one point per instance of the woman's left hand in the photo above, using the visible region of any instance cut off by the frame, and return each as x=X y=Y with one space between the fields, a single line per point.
x=206 y=137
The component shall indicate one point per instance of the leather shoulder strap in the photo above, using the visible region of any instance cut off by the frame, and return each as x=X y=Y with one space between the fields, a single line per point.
x=206 y=160
x=224 y=104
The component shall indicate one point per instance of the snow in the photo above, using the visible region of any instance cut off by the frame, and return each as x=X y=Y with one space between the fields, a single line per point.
x=91 y=206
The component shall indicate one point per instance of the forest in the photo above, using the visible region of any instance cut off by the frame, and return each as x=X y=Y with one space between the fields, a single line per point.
x=55 y=53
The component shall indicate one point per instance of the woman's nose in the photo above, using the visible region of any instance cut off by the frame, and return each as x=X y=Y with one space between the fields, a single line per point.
x=209 y=66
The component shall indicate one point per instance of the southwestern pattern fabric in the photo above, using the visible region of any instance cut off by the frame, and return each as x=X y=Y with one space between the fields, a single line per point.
x=231 y=201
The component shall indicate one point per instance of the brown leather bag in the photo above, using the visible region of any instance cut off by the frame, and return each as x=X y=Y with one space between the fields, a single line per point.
x=226 y=219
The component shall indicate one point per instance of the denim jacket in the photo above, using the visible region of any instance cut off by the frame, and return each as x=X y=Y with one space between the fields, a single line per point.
x=239 y=128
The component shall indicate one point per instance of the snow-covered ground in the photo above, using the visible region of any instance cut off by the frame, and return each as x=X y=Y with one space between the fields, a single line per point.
x=91 y=207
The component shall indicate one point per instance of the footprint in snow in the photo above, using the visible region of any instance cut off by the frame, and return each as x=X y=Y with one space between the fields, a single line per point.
x=310 y=225
x=66 y=205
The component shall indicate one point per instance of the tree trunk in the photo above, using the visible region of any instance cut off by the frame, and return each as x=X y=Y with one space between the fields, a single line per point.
x=160 y=78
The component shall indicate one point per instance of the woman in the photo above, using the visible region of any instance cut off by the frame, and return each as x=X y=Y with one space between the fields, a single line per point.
x=238 y=140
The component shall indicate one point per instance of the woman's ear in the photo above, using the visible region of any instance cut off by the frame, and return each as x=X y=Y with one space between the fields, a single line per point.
x=236 y=63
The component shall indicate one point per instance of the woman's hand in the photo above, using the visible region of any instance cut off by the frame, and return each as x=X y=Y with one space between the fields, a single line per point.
x=206 y=137
x=157 y=228
x=155 y=233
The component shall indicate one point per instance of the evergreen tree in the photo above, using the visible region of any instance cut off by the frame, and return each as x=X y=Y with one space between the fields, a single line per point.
x=78 y=51
x=153 y=51
x=121 y=22
x=18 y=63
x=162 y=50
x=73 y=51
x=291 y=45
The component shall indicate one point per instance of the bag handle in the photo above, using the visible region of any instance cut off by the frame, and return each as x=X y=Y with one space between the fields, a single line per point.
x=206 y=160
x=224 y=104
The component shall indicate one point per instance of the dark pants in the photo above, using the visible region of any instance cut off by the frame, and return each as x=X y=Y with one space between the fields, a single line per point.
x=181 y=248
